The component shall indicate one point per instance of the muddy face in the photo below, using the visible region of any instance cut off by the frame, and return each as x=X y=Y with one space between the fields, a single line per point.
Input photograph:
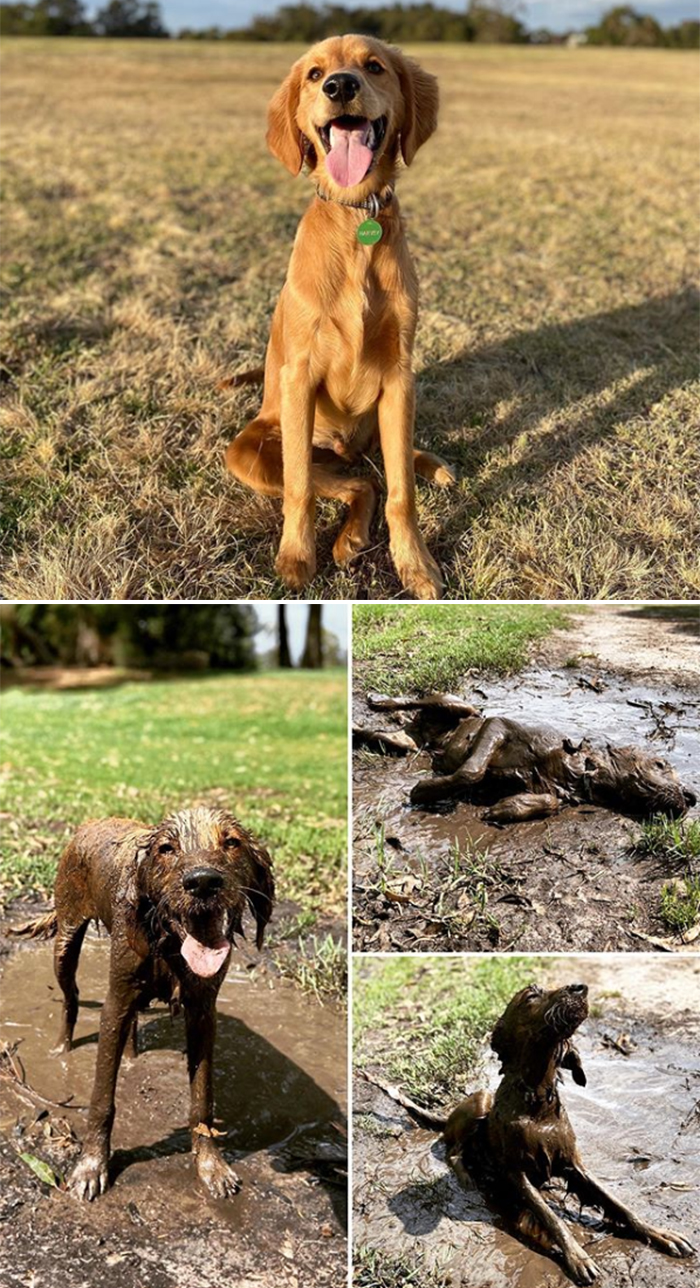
x=642 y=784
x=536 y=1023
x=199 y=871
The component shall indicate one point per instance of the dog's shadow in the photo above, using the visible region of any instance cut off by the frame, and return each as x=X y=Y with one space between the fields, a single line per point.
x=422 y=1205
x=265 y=1102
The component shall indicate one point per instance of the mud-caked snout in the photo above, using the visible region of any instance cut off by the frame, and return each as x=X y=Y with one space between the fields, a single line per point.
x=689 y=797
x=203 y=882
x=566 y=1009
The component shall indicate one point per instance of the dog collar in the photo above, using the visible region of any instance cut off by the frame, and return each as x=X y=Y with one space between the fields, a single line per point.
x=374 y=203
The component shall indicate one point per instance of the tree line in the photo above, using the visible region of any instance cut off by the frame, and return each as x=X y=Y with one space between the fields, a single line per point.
x=496 y=23
x=160 y=637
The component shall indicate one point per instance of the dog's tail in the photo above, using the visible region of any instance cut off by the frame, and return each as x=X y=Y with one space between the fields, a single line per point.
x=253 y=377
x=42 y=928
x=424 y=1116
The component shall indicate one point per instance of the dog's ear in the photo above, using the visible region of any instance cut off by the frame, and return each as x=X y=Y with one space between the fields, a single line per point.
x=128 y=890
x=261 y=891
x=284 y=138
x=500 y=1041
x=420 y=105
x=571 y=1060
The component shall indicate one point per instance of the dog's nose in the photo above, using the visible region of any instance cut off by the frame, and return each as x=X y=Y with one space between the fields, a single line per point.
x=578 y=988
x=202 y=882
x=341 y=88
x=689 y=797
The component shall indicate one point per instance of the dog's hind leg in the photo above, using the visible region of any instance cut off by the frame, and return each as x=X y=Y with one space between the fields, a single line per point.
x=69 y=942
x=433 y=468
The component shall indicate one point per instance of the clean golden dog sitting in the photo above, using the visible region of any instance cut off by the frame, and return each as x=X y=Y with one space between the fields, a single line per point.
x=338 y=367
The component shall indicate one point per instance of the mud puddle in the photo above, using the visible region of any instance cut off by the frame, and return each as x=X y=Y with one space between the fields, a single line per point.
x=638 y=1130
x=280 y=1098
x=563 y=882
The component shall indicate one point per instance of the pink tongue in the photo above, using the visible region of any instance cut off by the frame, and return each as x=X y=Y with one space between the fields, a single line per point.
x=202 y=960
x=349 y=158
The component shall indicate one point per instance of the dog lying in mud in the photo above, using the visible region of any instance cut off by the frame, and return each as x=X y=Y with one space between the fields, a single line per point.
x=515 y=1142
x=531 y=770
x=172 y=898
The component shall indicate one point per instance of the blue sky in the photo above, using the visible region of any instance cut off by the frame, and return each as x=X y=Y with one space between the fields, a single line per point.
x=334 y=618
x=561 y=15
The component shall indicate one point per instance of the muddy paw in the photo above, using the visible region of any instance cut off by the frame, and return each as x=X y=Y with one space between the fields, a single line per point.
x=89 y=1177
x=295 y=571
x=674 y=1245
x=581 y=1267
x=220 y=1179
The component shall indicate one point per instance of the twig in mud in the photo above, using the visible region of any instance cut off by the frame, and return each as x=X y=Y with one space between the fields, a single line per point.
x=18 y=1078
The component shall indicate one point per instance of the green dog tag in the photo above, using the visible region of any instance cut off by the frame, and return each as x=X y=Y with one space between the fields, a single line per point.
x=370 y=232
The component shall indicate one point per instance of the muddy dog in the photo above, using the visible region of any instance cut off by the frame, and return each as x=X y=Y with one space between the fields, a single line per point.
x=515 y=1142
x=531 y=770
x=172 y=898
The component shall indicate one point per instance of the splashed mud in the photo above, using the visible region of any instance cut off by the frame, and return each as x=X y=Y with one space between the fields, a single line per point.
x=567 y=882
x=280 y=1092
x=637 y=1127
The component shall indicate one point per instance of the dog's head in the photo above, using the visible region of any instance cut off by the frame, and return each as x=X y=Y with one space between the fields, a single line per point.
x=639 y=783
x=193 y=877
x=348 y=107
x=534 y=1032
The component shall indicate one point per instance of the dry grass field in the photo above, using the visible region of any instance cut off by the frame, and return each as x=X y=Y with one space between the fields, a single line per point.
x=146 y=234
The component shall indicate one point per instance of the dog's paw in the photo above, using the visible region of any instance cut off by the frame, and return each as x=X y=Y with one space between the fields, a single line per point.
x=350 y=542
x=218 y=1178
x=674 y=1245
x=444 y=475
x=89 y=1177
x=581 y=1267
x=420 y=576
x=295 y=570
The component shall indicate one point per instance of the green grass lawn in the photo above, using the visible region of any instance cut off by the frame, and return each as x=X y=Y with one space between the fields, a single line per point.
x=270 y=747
x=146 y=238
x=423 y=1021
x=419 y=648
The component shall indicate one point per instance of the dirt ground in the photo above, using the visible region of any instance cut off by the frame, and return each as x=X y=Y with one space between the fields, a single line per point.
x=280 y=1097
x=636 y=1123
x=628 y=675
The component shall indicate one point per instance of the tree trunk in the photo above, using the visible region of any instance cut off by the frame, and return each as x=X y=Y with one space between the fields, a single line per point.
x=284 y=657
x=313 y=649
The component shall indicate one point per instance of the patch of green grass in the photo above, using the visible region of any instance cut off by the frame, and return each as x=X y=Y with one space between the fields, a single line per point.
x=419 y=648
x=679 y=904
x=320 y=967
x=375 y=1269
x=675 y=838
x=433 y=1017
x=270 y=747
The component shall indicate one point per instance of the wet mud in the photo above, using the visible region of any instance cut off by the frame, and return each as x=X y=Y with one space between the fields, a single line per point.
x=280 y=1099
x=638 y=1129
x=567 y=882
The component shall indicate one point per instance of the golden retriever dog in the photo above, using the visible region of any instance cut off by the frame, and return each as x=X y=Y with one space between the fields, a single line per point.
x=338 y=367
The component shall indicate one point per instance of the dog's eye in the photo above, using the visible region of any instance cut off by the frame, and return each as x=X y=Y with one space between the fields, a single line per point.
x=166 y=848
x=232 y=843
x=374 y=67
x=315 y=74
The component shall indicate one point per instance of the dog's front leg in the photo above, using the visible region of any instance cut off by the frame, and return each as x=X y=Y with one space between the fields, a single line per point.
x=200 y=1024
x=579 y=1265
x=89 y=1177
x=589 y=1190
x=418 y=571
x=296 y=561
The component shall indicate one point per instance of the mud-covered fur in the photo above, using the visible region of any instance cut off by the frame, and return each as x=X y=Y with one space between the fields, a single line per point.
x=514 y=1142
x=173 y=898
x=530 y=771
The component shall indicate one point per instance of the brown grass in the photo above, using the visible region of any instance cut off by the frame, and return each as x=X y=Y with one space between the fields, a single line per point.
x=146 y=238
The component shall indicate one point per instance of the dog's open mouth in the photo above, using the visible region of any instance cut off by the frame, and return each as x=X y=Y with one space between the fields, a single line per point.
x=351 y=143
x=205 y=945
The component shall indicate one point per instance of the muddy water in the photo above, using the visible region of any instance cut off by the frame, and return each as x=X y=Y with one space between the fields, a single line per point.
x=637 y=1128
x=578 y=862
x=279 y=1094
